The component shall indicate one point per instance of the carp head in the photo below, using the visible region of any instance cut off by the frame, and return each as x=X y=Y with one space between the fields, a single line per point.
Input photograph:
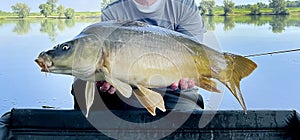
x=78 y=57
x=58 y=59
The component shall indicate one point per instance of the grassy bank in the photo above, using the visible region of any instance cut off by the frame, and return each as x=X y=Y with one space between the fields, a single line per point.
x=38 y=15
x=264 y=11
x=217 y=12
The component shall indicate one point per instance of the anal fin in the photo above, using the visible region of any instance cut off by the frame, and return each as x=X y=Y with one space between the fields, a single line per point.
x=150 y=99
x=208 y=84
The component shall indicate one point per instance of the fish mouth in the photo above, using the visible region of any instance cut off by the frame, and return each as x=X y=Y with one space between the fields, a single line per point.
x=44 y=64
x=48 y=66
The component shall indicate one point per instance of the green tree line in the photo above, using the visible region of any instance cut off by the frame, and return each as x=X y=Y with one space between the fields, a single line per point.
x=279 y=7
x=46 y=9
x=207 y=7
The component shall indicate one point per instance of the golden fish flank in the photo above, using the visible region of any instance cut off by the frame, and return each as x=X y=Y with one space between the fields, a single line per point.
x=136 y=54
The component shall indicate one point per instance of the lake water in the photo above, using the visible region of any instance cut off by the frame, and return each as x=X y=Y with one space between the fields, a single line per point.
x=275 y=84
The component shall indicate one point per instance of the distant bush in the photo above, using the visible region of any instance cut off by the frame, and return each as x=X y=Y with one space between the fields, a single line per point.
x=69 y=13
x=60 y=10
x=207 y=6
x=45 y=9
x=228 y=6
x=255 y=10
x=21 y=9
x=279 y=7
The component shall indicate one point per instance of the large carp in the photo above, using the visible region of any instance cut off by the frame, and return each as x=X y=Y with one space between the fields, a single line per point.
x=135 y=54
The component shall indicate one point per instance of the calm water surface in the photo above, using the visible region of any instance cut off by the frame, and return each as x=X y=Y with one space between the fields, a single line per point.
x=273 y=85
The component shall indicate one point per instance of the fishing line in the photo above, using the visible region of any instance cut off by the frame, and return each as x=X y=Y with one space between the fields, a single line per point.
x=271 y=53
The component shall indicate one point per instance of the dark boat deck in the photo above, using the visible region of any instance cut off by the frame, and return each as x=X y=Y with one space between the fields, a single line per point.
x=28 y=124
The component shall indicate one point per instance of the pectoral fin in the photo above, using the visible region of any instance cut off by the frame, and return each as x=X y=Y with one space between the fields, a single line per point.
x=149 y=99
x=124 y=88
x=89 y=95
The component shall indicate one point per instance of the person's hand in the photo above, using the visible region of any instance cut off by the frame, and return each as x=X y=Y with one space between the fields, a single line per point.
x=183 y=84
x=103 y=86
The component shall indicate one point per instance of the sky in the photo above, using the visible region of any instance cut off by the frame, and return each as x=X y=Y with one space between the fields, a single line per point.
x=89 y=5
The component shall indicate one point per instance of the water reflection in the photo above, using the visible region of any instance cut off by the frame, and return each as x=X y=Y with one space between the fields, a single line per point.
x=210 y=23
x=228 y=23
x=22 y=27
x=47 y=26
x=277 y=23
x=256 y=20
x=51 y=27
x=62 y=24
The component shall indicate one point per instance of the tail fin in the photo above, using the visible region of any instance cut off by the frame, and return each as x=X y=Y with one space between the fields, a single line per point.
x=238 y=67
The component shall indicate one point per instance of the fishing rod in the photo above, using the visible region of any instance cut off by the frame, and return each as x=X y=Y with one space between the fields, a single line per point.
x=271 y=53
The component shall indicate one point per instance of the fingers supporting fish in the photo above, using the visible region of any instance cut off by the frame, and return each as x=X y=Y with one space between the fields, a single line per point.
x=112 y=90
x=183 y=84
x=104 y=86
x=174 y=86
x=191 y=83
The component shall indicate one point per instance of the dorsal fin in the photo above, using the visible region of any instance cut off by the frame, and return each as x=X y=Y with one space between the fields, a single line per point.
x=134 y=23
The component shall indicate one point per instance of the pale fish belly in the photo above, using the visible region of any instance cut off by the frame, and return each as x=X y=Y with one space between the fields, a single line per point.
x=152 y=66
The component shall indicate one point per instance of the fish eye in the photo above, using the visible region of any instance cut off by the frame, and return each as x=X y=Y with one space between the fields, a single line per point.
x=65 y=47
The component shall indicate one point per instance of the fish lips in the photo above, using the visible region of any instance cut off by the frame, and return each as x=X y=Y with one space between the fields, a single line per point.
x=45 y=65
x=48 y=66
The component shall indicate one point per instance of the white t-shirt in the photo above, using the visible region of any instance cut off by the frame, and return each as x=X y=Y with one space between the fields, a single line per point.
x=148 y=9
x=179 y=15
